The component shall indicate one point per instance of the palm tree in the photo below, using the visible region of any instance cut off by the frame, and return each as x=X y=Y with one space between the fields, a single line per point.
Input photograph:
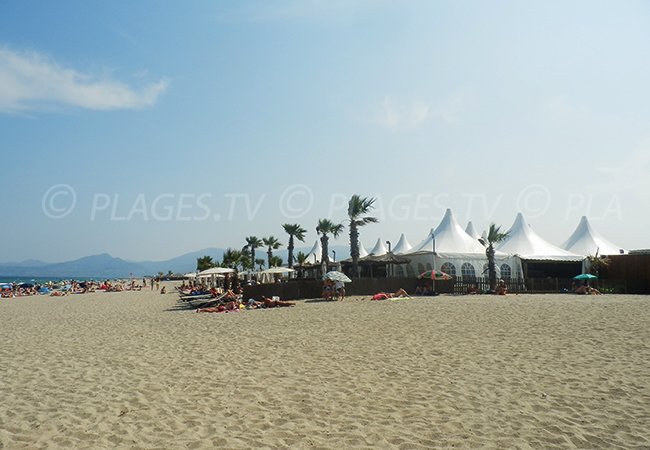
x=325 y=227
x=494 y=236
x=276 y=261
x=294 y=231
x=204 y=263
x=260 y=263
x=272 y=243
x=252 y=242
x=358 y=207
x=301 y=257
x=232 y=258
x=596 y=263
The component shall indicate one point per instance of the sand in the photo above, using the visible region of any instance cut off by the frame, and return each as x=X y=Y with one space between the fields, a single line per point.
x=128 y=370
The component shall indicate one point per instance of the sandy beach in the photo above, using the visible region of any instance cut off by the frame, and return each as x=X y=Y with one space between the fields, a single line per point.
x=130 y=370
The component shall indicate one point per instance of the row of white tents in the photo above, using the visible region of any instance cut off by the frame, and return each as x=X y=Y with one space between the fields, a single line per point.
x=461 y=252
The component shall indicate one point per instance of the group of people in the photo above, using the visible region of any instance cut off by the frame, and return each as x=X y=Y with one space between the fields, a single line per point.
x=584 y=289
x=232 y=304
x=333 y=290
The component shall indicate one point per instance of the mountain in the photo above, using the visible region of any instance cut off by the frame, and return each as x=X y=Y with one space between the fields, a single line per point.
x=101 y=266
x=107 y=266
x=26 y=263
x=181 y=264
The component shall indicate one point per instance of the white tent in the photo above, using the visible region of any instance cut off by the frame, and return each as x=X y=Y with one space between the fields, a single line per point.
x=216 y=271
x=315 y=254
x=362 y=250
x=469 y=229
x=450 y=238
x=458 y=253
x=379 y=249
x=402 y=246
x=525 y=243
x=586 y=241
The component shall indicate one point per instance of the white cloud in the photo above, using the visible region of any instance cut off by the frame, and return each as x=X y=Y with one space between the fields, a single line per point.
x=30 y=81
x=397 y=116
x=450 y=110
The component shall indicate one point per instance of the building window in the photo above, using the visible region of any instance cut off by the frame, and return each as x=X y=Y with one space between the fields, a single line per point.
x=420 y=268
x=449 y=269
x=467 y=271
x=506 y=271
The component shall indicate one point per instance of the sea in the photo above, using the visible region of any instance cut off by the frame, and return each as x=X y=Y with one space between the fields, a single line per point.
x=44 y=280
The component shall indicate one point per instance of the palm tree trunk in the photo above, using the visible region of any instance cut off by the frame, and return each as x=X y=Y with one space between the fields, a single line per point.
x=354 y=248
x=269 y=255
x=492 y=270
x=290 y=248
x=324 y=240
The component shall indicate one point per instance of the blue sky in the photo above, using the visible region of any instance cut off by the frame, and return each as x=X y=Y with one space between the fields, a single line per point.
x=149 y=129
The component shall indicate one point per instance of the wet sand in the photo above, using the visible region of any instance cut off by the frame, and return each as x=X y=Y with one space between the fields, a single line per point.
x=129 y=370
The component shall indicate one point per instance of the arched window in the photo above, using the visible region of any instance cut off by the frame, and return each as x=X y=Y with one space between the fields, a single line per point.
x=420 y=268
x=429 y=266
x=467 y=271
x=506 y=271
x=449 y=269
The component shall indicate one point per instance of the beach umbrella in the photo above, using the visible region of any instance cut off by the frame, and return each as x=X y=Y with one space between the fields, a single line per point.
x=585 y=276
x=274 y=270
x=435 y=275
x=337 y=276
x=6 y=286
x=216 y=271
x=26 y=285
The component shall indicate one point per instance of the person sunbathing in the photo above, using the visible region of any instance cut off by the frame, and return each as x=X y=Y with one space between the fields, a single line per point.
x=400 y=293
x=270 y=303
x=501 y=289
x=228 y=307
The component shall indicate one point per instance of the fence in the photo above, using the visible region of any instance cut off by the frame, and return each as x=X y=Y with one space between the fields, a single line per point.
x=301 y=288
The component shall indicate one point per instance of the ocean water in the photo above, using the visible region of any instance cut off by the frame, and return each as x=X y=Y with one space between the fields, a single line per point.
x=42 y=280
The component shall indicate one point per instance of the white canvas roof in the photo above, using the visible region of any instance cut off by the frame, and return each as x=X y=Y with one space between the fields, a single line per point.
x=586 y=241
x=469 y=229
x=402 y=246
x=527 y=244
x=450 y=238
x=314 y=255
x=379 y=249
x=362 y=250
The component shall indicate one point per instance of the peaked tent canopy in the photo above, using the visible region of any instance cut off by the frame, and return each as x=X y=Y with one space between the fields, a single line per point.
x=362 y=250
x=315 y=254
x=458 y=253
x=379 y=249
x=469 y=229
x=403 y=246
x=527 y=244
x=450 y=238
x=586 y=241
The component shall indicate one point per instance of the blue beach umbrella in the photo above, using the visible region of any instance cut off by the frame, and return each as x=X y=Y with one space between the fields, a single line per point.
x=585 y=276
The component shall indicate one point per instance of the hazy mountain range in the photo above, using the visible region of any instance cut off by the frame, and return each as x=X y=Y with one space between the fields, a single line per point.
x=107 y=266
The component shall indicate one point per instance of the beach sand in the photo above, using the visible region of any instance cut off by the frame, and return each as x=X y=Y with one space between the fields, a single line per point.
x=128 y=370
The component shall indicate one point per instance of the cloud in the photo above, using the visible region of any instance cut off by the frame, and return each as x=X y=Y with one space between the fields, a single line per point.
x=401 y=116
x=30 y=81
x=450 y=110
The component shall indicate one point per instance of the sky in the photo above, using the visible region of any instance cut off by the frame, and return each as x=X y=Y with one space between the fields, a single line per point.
x=151 y=129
